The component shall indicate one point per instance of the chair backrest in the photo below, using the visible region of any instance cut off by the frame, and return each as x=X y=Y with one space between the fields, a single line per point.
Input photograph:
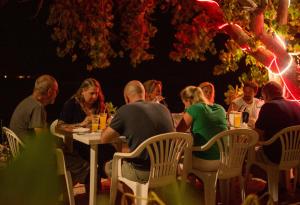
x=52 y=129
x=165 y=151
x=14 y=142
x=233 y=146
x=290 y=143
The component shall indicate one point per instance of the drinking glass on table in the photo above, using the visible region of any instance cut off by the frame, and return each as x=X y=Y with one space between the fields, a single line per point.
x=95 y=122
x=103 y=118
x=235 y=119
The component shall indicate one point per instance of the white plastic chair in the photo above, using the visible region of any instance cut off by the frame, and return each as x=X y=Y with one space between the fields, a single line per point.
x=53 y=132
x=233 y=146
x=15 y=144
x=290 y=158
x=61 y=166
x=67 y=140
x=165 y=151
x=61 y=170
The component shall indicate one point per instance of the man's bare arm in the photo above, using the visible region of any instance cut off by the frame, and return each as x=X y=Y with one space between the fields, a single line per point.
x=109 y=135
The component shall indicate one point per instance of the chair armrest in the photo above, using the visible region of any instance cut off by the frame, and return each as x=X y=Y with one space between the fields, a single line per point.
x=202 y=148
x=268 y=142
x=123 y=155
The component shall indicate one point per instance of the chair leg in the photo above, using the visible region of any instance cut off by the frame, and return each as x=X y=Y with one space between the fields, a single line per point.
x=70 y=188
x=242 y=186
x=113 y=191
x=141 y=193
x=224 y=185
x=210 y=189
x=296 y=175
x=273 y=180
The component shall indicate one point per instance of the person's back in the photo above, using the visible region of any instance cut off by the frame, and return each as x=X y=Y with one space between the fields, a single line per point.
x=141 y=120
x=29 y=114
x=206 y=119
x=276 y=114
x=138 y=120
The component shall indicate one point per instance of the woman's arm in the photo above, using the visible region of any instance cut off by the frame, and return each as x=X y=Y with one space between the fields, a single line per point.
x=65 y=127
x=185 y=123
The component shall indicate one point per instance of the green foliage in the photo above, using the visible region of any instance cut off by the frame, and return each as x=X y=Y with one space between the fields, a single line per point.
x=229 y=59
x=31 y=179
x=110 y=108
x=232 y=93
x=136 y=29
x=105 y=29
x=83 y=26
x=256 y=72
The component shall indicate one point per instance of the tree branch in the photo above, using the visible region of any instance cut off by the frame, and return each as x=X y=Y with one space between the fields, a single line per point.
x=282 y=12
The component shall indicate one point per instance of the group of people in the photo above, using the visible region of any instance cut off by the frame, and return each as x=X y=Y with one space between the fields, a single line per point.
x=145 y=114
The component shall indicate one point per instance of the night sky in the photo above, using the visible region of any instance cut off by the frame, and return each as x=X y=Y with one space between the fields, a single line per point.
x=26 y=48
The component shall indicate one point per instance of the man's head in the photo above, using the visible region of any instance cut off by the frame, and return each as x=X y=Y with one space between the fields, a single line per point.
x=45 y=89
x=271 y=90
x=134 y=91
x=250 y=89
x=208 y=90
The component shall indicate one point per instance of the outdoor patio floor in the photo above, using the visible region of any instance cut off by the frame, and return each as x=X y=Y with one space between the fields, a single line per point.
x=192 y=195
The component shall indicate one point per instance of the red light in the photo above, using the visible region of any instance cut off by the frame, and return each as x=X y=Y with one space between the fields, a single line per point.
x=209 y=1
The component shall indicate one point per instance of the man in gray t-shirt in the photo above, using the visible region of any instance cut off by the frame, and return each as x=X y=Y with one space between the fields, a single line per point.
x=137 y=121
x=29 y=117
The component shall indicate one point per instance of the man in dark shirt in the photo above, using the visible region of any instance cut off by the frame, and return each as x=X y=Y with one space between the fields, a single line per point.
x=138 y=120
x=276 y=114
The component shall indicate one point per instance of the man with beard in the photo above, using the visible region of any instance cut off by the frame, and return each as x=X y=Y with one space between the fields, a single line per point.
x=248 y=103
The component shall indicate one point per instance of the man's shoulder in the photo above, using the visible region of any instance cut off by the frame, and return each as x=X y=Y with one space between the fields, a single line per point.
x=28 y=102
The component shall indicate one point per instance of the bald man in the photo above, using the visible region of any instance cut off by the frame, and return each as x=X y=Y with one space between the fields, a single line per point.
x=138 y=120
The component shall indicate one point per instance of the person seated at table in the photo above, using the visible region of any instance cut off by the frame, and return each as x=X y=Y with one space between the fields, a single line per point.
x=208 y=90
x=153 y=89
x=138 y=120
x=29 y=120
x=248 y=103
x=205 y=120
x=77 y=111
x=276 y=114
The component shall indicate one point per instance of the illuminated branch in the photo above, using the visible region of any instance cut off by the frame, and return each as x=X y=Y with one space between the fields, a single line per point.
x=282 y=12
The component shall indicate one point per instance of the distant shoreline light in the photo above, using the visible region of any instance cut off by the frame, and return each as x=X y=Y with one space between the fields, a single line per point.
x=18 y=77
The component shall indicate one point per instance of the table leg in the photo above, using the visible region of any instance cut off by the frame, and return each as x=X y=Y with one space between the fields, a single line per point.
x=93 y=174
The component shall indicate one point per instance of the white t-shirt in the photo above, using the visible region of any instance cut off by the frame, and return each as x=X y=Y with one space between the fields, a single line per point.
x=253 y=108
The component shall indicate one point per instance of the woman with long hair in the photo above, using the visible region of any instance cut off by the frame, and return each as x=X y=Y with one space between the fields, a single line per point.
x=77 y=112
x=153 y=91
